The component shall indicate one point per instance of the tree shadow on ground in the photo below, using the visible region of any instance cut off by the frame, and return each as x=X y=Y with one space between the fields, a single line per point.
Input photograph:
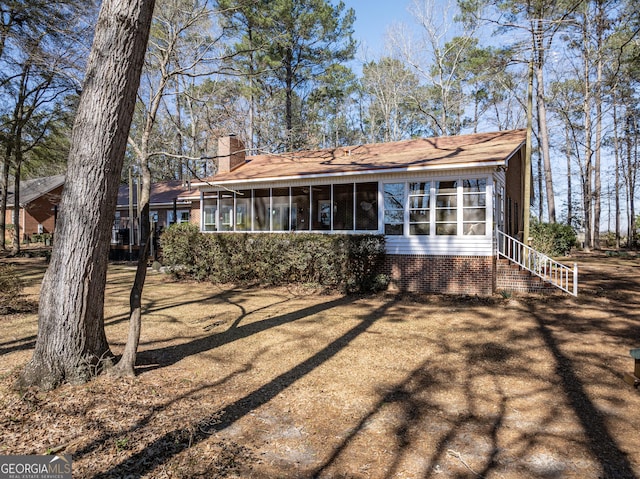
x=418 y=410
x=170 y=444
x=614 y=462
x=166 y=356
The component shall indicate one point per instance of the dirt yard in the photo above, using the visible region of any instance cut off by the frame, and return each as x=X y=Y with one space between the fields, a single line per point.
x=289 y=383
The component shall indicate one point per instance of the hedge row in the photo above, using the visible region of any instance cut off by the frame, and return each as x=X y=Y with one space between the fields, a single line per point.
x=346 y=262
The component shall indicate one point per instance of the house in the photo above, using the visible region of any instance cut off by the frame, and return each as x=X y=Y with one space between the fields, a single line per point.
x=38 y=204
x=169 y=203
x=439 y=202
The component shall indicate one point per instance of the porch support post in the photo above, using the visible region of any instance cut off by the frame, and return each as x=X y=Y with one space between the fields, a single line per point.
x=634 y=379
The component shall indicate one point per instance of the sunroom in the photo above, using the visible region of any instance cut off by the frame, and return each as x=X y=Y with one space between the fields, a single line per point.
x=417 y=207
x=438 y=201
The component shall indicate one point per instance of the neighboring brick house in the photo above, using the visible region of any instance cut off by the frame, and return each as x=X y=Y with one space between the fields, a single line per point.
x=438 y=201
x=169 y=202
x=39 y=199
x=38 y=206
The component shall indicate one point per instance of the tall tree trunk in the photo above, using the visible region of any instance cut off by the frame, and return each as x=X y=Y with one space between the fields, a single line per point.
x=588 y=170
x=71 y=343
x=631 y=213
x=543 y=130
x=540 y=190
x=252 y=96
x=598 y=140
x=289 y=99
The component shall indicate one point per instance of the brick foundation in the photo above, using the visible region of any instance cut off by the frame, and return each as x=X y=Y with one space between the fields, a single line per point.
x=473 y=275
x=510 y=277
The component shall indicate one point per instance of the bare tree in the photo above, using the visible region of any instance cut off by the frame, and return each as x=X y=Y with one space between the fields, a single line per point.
x=176 y=21
x=437 y=59
x=71 y=342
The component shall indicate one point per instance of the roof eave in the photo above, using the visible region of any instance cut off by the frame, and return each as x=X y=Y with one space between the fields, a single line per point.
x=484 y=164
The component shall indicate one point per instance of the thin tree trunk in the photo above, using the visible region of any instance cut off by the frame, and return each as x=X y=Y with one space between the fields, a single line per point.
x=126 y=364
x=569 y=192
x=616 y=151
x=15 y=242
x=4 y=188
x=71 y=343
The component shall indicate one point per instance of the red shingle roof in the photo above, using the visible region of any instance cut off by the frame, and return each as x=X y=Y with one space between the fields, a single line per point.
x=481 y=149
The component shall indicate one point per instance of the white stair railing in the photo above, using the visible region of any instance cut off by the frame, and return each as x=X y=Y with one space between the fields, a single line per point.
x=538 y=263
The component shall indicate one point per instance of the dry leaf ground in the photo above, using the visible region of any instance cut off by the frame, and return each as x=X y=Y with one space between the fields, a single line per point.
x=290 y=383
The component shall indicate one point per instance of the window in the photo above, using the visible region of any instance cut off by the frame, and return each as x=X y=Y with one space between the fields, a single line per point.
x=367 y=206
x=394 y=208
x=243 y=210
x=261 y=201
x=300 y=203
x=343 y=206
x=280 y=209
x=210 y=214
x=447 y=208
x=498 y=208
x=474 y=206
x=321 y=197
x=183 y=216
x=419 y=208
x=226 y=211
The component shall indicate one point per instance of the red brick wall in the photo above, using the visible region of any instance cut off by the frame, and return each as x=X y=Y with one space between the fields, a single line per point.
x=194 y=215
x=472 y=275
x=510 y=278
x=40 y=211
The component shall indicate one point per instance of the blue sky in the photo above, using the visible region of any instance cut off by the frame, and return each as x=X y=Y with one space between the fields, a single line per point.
x=373 y=17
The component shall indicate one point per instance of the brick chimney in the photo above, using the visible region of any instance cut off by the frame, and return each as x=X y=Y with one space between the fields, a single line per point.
x=231 y=153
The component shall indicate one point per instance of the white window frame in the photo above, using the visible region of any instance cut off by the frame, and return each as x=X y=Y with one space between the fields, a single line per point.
x=460 y=194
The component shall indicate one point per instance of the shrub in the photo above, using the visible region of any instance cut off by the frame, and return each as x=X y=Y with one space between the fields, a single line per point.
x=10 y=283
x=553 y=239
x=10 y=286
x=348 y=262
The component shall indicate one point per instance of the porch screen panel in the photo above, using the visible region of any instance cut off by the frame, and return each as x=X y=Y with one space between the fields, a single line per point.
x=419 y=213
x=300 y=203
x=394 y=208
x=210 y=214
x=474 y=206
x=343 y=209
x=447 y=208
x=367 y=206
x=321 y=207
x=280 y=209
x=243 y=210
x=226 y=211
x=261 y=199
